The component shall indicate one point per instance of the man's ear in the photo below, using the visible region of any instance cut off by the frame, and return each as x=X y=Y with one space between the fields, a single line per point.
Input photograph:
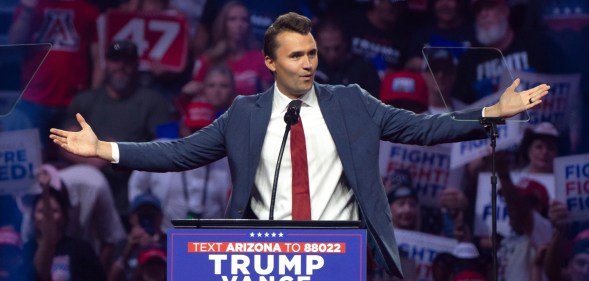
x=270 y=63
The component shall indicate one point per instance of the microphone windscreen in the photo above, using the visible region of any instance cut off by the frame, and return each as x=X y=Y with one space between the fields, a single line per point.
x=291 y=116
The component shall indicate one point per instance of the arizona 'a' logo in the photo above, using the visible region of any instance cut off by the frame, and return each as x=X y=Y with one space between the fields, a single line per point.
x=58 y=29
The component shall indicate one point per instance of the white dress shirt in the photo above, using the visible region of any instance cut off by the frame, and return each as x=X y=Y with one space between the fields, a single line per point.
x=331 y=196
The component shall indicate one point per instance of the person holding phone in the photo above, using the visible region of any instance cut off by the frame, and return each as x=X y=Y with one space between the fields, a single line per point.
x=145 y=221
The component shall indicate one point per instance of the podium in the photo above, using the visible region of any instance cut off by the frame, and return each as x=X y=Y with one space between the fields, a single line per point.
x=264 y=250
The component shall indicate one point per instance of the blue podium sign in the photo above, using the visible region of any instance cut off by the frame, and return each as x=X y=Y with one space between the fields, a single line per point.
x=267 y=254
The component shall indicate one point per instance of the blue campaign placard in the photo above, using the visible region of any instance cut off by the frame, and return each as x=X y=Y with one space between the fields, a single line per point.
x=267 y=254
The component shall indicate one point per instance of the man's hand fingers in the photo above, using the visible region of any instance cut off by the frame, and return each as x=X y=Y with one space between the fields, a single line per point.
x=57 y=133
x=514 y=84
x=81 y=121
x=58 y=139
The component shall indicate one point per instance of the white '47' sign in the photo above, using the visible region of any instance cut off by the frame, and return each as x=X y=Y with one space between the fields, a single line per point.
x=160 y=37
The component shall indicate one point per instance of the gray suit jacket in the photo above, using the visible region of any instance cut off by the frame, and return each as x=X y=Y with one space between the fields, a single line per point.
x=356 y=122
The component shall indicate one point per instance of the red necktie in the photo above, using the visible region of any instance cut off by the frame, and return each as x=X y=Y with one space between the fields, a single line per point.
x=301 y=201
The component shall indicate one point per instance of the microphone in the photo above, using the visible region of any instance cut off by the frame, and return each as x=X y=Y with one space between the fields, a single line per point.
x=291 y=117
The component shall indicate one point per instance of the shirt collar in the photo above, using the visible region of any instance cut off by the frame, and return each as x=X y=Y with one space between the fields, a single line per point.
x=280 y=101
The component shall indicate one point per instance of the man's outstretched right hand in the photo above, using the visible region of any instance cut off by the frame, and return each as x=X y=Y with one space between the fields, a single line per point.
x=82 y=143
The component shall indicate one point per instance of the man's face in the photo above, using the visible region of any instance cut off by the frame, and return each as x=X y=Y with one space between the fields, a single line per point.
x=331 y=45
x=579 y=267
x=119 y=73
x=294 y=64
x=492 y=24
x=404 y=211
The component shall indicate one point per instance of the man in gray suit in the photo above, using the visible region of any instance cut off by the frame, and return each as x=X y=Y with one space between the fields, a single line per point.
x=342 y=129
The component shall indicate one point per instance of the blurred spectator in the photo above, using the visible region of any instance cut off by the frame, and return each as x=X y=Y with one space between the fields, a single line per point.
x=92 y=216
x=154 y=75
x=337 y=65
x=404 y=202
x=455 y=218
x=145 y=219
x=561 y=263
x=378 y=35
x=480 y=70
x=218 y=91
x=119 y=111
x=219 y=88
x=70 y=26
x=52 y=255
x=440 y=74
x=152 y=264
x=198 y=193
x=539 y=147
x=463 y=264
x=11 y=256
x=406 y=90
x=578 y=266
x=530 y=230
x=451 y=28
x=233 y=44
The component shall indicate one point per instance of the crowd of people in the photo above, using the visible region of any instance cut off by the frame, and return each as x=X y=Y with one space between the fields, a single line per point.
x=84 y=220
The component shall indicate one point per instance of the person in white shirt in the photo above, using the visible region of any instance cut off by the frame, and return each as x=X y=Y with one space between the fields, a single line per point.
x=197 y=193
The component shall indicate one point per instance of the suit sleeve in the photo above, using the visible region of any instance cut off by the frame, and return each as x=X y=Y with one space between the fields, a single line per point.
x=201 y=148
x=403 y=126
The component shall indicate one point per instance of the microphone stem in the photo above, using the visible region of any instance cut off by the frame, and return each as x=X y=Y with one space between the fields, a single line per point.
x=277 y=171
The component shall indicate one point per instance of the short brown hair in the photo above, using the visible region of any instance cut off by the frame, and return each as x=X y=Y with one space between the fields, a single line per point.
x=292 y=22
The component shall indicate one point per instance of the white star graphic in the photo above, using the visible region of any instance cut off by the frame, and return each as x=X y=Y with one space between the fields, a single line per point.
x=252 y=234
x=259 y=234
x=266 y=234
x=280 y=234
x=273 y=234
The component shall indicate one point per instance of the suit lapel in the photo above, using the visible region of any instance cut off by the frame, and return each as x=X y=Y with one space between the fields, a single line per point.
x=259 y=120
x=334 y=119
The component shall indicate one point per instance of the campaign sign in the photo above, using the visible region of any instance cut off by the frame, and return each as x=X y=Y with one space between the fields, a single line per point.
x=428 y=166
x=423 y=248
x=20 y=155
x=266 y=254
x=484 y=211
x=571 y=175
x=160 y=37
x=559 y=104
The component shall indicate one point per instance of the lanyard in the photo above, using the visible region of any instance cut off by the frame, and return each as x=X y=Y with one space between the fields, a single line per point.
x=205 y=187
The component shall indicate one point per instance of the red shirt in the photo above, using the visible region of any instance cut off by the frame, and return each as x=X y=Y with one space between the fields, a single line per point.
x=70 y=26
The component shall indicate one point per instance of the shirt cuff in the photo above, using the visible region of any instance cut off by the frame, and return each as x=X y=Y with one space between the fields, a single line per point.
x=115 y=152
x=482 y=114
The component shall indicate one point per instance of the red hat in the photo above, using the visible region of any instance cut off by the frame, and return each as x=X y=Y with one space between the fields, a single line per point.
x=532 y=188
x=9 y=237
x=199 y=115
x=401 y=87
x=468 y=275
x=149 y=253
